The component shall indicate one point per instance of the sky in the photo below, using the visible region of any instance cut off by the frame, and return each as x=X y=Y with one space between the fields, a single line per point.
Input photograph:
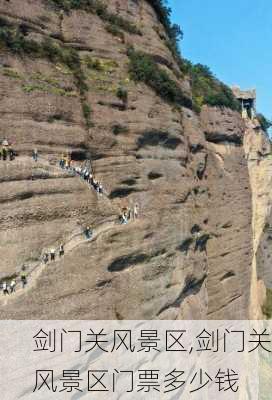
x=233 y=38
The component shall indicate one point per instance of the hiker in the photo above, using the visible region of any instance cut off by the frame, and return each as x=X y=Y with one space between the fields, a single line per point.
x=100 y=188
x=4 y=153
x=86 y=175
x=135 y=211
x=61 y=250
x=5 y=288
x=23 y=277
x=11 y=154
x=45 y=258
x=80 y=172
x=67 y=160
x=52 y=254
x=128 y=213
x=35 y=155
x=12 y=286
x=95 y=184
x=123 y=218
x=90 y=179
x=62 y=162
x=83 y=172
x=88 y=232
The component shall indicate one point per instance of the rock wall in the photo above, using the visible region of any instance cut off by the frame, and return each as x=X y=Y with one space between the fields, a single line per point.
x=189 y=255
x=258 y=149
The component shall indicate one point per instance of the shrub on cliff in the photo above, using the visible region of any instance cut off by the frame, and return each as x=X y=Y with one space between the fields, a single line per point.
x=115 y=31
x=264 y=122
x=87 y=112
x=207 y=89
x=12 y=38
x=143 y=68
x=99 y=8
x=173 y=31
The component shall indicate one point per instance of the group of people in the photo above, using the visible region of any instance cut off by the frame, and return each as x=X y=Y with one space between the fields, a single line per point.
x=129 y=213
x=83 y=171
x=51 y=254
x=6 y=151
x=87 y=176
x=9 y=287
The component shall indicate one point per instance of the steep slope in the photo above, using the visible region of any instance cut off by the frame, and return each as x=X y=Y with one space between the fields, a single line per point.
x=190 y=253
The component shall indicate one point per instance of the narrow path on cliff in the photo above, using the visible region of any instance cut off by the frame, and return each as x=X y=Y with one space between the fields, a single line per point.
x=71 y=171
x=35 y=269
x=51 y=166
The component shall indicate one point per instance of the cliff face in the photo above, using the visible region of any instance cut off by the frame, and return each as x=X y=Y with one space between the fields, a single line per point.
x=190 y=253
x=258 y=149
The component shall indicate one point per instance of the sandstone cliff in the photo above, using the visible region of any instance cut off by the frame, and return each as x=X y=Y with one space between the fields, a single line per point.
x=190 y=254
x=258 y=149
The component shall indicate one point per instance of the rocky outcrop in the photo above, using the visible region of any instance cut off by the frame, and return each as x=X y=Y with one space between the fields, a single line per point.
x=224 y=127
x=189 y=255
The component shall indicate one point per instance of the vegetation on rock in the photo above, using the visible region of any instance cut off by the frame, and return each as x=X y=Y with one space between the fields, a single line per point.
x=100 y=64
x=87 y=114
x=264 y=122
x=205 y=87
x=115 y=31
x=100 y=9
x=209 y=90
x=14 y=39
x=143 y=68
x=173 y=31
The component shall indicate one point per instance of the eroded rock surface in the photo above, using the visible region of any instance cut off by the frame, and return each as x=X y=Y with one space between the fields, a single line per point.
x=190 y=253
